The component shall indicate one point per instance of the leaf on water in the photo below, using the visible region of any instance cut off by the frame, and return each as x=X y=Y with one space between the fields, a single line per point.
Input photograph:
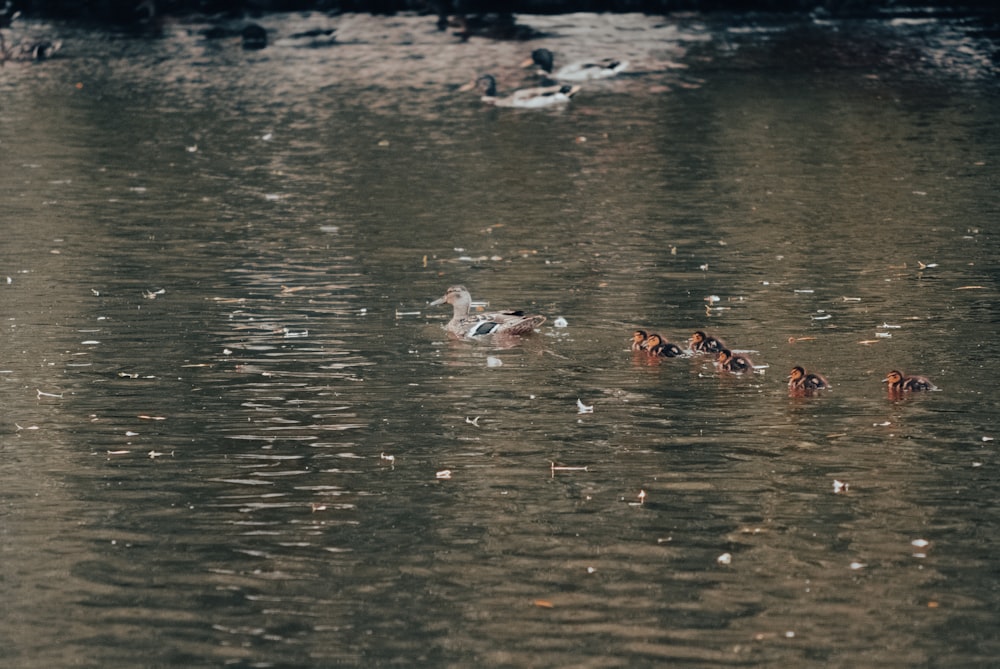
x=544 y=604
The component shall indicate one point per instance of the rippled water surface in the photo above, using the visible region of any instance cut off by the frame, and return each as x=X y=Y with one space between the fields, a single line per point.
x=228 y=410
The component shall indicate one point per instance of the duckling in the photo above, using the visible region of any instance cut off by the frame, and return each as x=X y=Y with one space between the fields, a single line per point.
x=638 y=337
x=657 y=347
x=476 y=326
x=733 y=362
x=800 y=379
x=525 y=98
x=704 y=343
x=582 y=71
x=900 y=383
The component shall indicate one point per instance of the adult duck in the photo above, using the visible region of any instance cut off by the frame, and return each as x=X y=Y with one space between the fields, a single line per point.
x=899 y=382
x=800 y=379
x=657 y=347
x=703 y=343
x=733 y=362
x=525 y=98
x=581 y=71
x=477 y=326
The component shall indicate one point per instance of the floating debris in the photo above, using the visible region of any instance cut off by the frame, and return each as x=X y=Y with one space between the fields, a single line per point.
x=926 y=265
x=493 y=361
x=145 y=417
x=970 y=288
x=565 y=468
x=30 y=427
x=725 y=558
x=153 y=294
x=851 y=299
x=130 y=433
x=642 y=497
x=44 y=394
x=583 y=408
x=543 y=604
x=858 y=565
x=472 y=421
x=883 y=335
x=987 y=439
x=317 y=507
x=886 y=326
x=560 y=322
x=384 y=457
x=443 y=474
x=121 y=452
x=839 y=487
x=803 y=290
x=825 y=317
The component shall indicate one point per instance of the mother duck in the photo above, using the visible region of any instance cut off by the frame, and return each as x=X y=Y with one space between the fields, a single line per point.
x=477 y=326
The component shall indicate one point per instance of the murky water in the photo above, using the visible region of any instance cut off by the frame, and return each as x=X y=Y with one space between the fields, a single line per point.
x=226 y=402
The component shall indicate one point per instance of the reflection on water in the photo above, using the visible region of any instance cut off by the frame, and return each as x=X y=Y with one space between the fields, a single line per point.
x=227 y=405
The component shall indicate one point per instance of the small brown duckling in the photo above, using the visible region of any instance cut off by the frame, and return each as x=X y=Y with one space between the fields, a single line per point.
x=704 y=343
x=733 y=362
x=800 y=379
x=638 y=337
x=657 y=347
x=900 y=383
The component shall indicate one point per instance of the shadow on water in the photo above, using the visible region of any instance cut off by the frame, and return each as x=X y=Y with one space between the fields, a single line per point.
x=229 y=409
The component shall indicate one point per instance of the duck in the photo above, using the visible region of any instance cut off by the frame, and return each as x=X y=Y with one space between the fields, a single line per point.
x=800 y=379
x=477 y=326
x=525 y=98
x=582 y=71
x=638 y=337
x=704 y=343
x=898 y=382
x=733 y=362
x=657 y=347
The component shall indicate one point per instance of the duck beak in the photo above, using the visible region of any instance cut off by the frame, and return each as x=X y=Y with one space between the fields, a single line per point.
x=467 y=87
x=885 y=380
x=440 y=300
x=528 y=62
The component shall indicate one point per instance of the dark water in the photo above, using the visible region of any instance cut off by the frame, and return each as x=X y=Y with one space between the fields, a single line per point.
x=226 y=402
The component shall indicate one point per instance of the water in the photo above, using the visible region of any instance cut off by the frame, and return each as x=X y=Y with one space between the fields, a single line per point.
x=227 y=403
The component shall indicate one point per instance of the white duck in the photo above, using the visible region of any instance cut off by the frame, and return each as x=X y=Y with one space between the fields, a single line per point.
x=476 y=326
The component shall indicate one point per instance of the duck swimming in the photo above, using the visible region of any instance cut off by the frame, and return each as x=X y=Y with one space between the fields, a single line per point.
x=657 y=347
x=900 y=383
x=525 y=98
x=800 y=379
x=582 y=71
x=704 y=343
x=482 y=325
x=638 y=337
x=733 y=362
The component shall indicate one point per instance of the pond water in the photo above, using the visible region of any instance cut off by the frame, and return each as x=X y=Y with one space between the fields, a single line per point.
x=227 y=406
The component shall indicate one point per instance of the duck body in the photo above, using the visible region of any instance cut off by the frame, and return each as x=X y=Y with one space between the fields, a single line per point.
x=800 y=379
x=638 y=339
x=657 y=347
x=525 y=98
x=479 y=326
x=703 y=343
x=581 y=71
x=899 y=382
x=733 y=362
